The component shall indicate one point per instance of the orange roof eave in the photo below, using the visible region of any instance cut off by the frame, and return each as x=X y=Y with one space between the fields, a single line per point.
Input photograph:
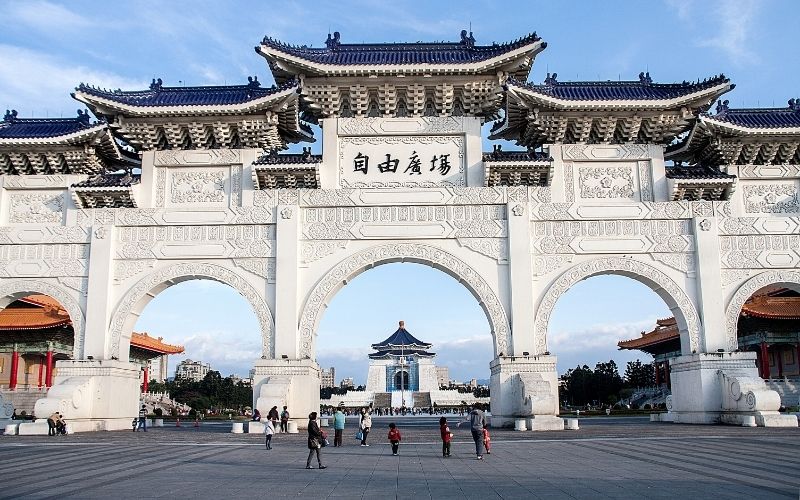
x=144 y=341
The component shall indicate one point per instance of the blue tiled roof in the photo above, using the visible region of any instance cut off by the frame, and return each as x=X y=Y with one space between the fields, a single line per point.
x=401 y=338
x=643 y=89
x=760 y=117
x=159 y=95
x=696 y=172
x=398 y=352
x=109 y=181
x=499 y=155
x=336 y=53
x=35 y=128
x=273 y=158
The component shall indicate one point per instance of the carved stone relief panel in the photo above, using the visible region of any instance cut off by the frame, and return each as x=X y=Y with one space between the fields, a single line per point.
x=773 y=198
x=494 y=248
x=612 y=236
x=212 y=241
x=199 y=157
x=404 y=222
x=606 y=181
x=410 y=125
x=605 y=152
x=760 y=251
x=207 y=186
x=43 y=260
x=263 y=268
x=44 y=234
x=312 y=251
x=36 y=208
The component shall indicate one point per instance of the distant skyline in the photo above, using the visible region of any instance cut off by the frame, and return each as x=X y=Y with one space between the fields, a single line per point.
x=49 y=47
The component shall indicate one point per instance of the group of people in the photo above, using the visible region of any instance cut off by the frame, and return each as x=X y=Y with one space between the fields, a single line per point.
x=56 y=425
x=272 y=421
x=317 y=439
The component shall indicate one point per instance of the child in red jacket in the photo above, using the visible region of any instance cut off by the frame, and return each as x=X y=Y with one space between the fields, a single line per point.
x=447 y=436
x=487 y=440
x=394 y=438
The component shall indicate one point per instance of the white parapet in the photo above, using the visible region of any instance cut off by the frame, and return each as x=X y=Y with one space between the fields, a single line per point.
x=255 y=427
x=237 y=428
x=571 y=424
x=11 y=429
x=38 y=428
x=525 y=387
x=520 y=424
x=291 y=427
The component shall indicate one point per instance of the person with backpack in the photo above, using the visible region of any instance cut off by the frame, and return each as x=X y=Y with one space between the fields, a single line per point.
x=477 y=421
x=269 y=430
x=338 y=427
x=285 y=420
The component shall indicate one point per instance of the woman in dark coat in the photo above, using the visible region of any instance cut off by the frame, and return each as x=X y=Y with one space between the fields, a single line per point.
x=315 y=438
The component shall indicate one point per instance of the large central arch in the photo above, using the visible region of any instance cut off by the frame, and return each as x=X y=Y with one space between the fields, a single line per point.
x=141 y=293
x=676 y=299
x=418 y=253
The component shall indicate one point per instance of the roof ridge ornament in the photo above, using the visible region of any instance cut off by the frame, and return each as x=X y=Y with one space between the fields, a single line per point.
x=551 y=80
x=468 y=41
x=644 y=78
x=156 y=84
x=10 y=115
x=83 y=117
x=252 y=82
x=333 y=43
x=794 y=104
x=722 y=107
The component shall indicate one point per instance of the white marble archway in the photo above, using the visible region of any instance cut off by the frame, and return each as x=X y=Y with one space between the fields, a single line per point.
x=11 y=290
x=676 y=299
x=419 y=253
x=137 y=297
x=746 y=290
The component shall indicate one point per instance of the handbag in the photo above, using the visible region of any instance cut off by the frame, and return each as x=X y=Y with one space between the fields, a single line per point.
x=314 y=443
x=360 y=436
x=324 y=443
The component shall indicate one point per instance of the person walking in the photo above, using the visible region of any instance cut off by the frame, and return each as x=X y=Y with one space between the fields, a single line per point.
x=394 y=438
x=315 y=438
x=269 y=430
x=477 y=421
x=142 y=419
x=338 y=427
x=447 y=436
x=285 y=420
x=487 y=439
x=365 y=425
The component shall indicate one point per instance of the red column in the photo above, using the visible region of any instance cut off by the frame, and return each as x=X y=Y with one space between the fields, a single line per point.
x=764 y=360
x=658 y=373
x=666 y=374
x=48 y=378
x=146 y=376
x=41 y=373
x=779 y=360
x=12 y=383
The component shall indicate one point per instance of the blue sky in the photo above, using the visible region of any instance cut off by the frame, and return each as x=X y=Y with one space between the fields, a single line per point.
x=47 y=48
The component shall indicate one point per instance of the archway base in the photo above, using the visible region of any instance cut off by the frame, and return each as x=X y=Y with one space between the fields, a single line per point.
x=723 y=387
x=525 y=387
x=93 y=395
x=293 y=383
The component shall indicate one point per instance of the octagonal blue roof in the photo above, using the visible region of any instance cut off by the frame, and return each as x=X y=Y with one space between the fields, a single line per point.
x=399 y=338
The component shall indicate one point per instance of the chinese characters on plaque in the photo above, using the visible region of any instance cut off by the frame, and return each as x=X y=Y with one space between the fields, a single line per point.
x=401 y=161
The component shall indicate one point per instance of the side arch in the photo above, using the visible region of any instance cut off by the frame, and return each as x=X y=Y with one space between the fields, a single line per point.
x=17 y=289
x=676 y=299
x=429 y=255
x=745 y=291
x=137 y=297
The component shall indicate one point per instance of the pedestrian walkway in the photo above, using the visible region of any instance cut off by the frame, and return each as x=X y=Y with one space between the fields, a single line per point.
x=611 y=458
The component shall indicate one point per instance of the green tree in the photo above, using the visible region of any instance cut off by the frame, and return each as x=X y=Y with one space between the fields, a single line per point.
x=638 y=374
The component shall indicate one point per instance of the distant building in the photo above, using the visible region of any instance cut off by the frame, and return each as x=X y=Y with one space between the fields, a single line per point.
x=473 y=382
x=235 y=378
x=192 y=370
x=347 y=383
x=442 y=376
x=328 y=378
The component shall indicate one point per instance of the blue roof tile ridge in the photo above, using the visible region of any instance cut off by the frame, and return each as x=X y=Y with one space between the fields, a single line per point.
x=14 y=127
x=198 y=88
x=758 y=117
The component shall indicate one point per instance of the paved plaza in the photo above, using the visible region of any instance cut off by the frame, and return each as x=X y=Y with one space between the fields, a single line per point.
x=607 y=458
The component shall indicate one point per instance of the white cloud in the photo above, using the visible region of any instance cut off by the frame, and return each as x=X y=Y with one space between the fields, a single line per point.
x=600 y=336
x=34 y=82
x=683 y=8
x=223 y=351
x=735 y=19
x=46 y=17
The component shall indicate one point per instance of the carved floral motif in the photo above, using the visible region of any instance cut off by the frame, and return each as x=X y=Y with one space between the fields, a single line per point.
x=197 y=187
x=771 y=199
x=606 y=182
x=42 y=208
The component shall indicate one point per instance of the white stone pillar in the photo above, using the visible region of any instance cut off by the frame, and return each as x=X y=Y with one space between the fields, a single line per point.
x=520 y=273
x=286 y=281
x=709 y=285
x=525 y=387
x=329 y=170
x=475 y=176
x=98 y=303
